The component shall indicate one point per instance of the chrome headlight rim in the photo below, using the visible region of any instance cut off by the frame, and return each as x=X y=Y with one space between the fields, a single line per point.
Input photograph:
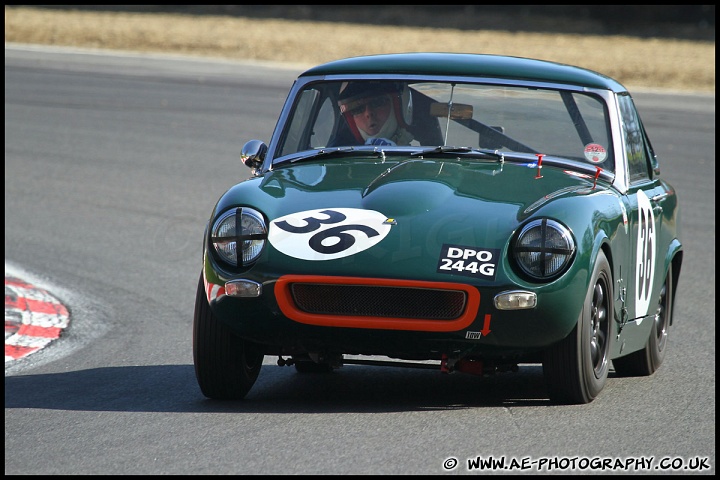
x=552 y=257
x=250 y=233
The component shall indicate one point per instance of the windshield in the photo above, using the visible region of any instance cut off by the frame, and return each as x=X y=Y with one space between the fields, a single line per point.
x=479 y=116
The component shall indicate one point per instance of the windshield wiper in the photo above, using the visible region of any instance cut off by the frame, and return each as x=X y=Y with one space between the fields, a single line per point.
x=334 y=152
x=460 y=152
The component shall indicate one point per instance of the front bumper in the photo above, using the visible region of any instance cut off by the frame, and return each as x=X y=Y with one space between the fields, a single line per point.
x=297 y=314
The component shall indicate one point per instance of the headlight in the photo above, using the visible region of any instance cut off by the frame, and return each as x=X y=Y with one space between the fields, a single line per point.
x=251 y=234
x=544 y=248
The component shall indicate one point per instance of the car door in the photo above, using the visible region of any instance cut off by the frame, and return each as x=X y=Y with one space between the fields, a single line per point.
x=644 y=206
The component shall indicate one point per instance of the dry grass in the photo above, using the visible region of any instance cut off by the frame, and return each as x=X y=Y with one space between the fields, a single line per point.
x=637 y=63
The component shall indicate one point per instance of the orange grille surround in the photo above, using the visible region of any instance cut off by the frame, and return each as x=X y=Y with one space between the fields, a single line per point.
x=377 y=303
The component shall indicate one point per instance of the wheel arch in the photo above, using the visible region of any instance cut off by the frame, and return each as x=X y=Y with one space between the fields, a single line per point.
x=602 y=243
x=674 y=257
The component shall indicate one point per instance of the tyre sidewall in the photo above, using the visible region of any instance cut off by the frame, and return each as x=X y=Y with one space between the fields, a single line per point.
x=594 y=379
x=656 y=350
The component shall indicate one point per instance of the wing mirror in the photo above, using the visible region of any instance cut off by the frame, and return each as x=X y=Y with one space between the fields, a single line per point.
x=253 y=154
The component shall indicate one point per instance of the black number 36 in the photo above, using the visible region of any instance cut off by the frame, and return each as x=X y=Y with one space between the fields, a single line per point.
x=345 y=240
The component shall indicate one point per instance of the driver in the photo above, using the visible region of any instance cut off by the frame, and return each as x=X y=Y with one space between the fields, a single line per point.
x=376 y=113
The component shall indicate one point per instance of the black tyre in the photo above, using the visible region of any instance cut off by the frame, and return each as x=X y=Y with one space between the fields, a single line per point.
x=576 y=368
x=226 y=367
x=646 y=361
x=308 y=366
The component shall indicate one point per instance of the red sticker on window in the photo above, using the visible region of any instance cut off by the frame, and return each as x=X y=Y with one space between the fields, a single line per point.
x=595 y=152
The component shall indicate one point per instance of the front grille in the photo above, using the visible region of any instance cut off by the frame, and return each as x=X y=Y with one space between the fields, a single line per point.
x=379 y=301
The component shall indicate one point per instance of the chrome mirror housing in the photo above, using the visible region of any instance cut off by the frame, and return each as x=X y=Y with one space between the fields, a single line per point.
x=253 y=154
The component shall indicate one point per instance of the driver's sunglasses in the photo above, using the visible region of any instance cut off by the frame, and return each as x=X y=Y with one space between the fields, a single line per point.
x=377 y=102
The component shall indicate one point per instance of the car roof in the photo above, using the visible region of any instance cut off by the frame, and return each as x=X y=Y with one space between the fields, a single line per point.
x=470 y=65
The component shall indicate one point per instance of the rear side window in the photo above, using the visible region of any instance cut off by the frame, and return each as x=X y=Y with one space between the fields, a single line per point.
x=634 y=141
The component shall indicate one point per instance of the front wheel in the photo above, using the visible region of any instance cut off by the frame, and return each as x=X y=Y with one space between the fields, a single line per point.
x=646 y=361
x=226 y=367
x=576 y=368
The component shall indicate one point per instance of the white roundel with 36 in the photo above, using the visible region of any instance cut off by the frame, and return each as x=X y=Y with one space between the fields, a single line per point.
x=645 y=255
x=327 y=233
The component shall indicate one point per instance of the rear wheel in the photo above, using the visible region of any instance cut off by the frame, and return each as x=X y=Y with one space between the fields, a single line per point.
x=226 y=367
x=646 y=361
x=576 y=368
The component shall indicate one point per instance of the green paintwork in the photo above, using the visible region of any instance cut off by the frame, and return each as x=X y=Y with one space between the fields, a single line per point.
x=470 y=65
x=471 y=203
x=440 y=201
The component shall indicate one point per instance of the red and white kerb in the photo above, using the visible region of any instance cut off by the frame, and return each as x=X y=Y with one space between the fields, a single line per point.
x=33 y=318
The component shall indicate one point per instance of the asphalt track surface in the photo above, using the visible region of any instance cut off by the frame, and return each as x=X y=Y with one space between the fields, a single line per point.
x=112 y=166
